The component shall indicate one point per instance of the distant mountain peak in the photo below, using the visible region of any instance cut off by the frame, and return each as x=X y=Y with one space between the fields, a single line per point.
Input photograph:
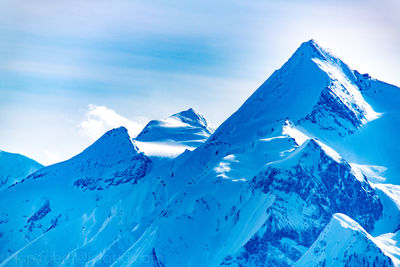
x=116 y=139
x=190 y=113
x=180 y=122
x=191 y=117
x=111 y=160
x=172 y=136
x=120 y=132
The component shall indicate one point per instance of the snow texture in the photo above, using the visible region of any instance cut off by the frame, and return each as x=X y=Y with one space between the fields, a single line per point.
x=294 y=177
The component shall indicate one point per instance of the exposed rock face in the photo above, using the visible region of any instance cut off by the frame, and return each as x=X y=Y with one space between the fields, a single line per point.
x=308 y=188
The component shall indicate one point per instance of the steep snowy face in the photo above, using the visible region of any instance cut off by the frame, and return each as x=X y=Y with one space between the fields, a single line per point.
x=390 y=198
x=341 y=105
x=69 y=204
x=345 y=243
x=14 y=168
x=172 y=136
x=258 y=192
x=113 y=159
x=307 y=187
x=313 y=87
x=244 y=216
x=376 y=146
x=356 y=115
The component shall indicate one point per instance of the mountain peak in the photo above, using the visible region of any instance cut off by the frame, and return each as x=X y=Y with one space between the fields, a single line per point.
x=117 y=132
x=345 y=242
x=313 y=88
x=119 y=135
x=189 y=112
x=117 y=140
x=191 y=117
x=172 y=136
x=311 y=43
x=311 y=49
x=111 y=160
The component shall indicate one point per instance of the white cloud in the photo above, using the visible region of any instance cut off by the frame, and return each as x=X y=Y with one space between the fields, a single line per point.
x=100 y=119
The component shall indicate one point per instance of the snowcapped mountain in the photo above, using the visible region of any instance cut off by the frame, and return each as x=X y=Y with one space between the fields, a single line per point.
x=111 y=160
x=313 y=185
x=284 y=206
x=15 y=167
x=345 y=243
x=172 y=136
x=327 y=100
x=64 y=198
x=313 y=86
x=276 y=184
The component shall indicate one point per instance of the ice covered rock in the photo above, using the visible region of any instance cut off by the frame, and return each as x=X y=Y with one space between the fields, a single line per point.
x=345 y=243
x=307 y=187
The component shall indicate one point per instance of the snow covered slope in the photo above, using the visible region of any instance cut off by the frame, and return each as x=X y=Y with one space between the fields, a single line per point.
x=390 y=199
x=14 y=168
x=315 y=91
x=271 y=218
x=172 y=136
x=354 y=114
x=261 y=190
x=65 y=203
x=389 y=243
x=375 y=146
x=345 y=243
x=313 y=86
x=111 y=160
x=308 y=187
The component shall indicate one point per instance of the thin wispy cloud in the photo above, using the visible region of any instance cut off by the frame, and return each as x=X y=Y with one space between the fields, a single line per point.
x=42 y=68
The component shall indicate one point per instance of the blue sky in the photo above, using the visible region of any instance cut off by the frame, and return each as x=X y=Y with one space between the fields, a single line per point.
x=70 y=70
